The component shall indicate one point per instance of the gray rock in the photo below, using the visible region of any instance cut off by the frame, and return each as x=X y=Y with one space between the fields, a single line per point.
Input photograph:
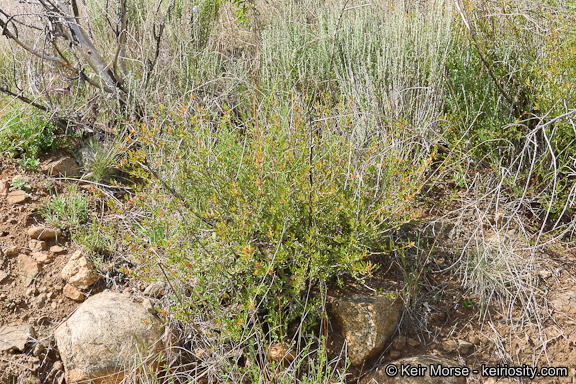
x=79 y=271
x=107 y=334
x=15 y=337
x=366 y=323
x=380 y=376
x=43 y=233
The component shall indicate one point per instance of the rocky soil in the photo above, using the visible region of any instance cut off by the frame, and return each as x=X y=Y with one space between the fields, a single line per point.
x=44 y=277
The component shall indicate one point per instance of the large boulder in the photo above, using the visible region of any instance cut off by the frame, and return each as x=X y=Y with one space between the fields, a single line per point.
x=418 y=370
x=366 y=323
x=106 y=335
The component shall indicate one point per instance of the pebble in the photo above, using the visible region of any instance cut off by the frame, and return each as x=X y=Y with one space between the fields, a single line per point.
x=17 y=197
x=395 y=354
x=73 y=293
x=37 y=245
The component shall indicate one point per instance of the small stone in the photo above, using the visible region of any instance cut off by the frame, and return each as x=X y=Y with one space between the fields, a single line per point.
x=281 y=353
x=57 y=250
x=32 y=291
x=15 y=337
x=399 y=343
x=17 y=197
x=450 y=346
x=40 y=301
x=58 y=366
x=465 y=347
x=413 y=343
x=73 y=293
x=3 y=276
x=147 y=304
x=475 y=340
x=43 y=233
x=29 y=268
x=155 y=290
x=79 y=271
x=395 y=354
x=42 y=257
x=544 y=274
x=39 y=349
x=54 y=305
x=37 y=245
x=11 y=251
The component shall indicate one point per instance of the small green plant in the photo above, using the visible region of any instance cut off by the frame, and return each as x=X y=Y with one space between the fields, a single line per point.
x=29 y=163
x=100 y=159
x=20 y=183
x=65 y=211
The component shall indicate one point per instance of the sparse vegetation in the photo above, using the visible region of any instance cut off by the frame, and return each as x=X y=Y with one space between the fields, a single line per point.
x=272 y=149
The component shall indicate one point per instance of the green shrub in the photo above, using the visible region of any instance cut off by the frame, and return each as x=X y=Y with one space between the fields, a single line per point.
x=263 y=216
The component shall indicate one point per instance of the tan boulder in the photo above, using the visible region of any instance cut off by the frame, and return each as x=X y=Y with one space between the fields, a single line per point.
x=106 y=335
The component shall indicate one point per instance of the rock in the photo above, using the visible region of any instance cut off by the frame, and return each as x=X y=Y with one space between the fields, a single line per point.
x=155 y=290
x=32 y=291
x=17 y=197
x=380 y=376
x=544 y=274
x=464 y=347
x=565 y=302
x=37 y=245
x=73 y=293
x=57 y=250
x=413 y=343
x=450 y=346
x=64 y=166
x=147 y=304
x=3 y=188
x=366 y=323
x=11 y=251
x=79 y=271
x=29 y=268
x=15 y=337
x=43 y=233
x=395 y=354
x=281 y=353
x=3 y=276
x=58 y=366
x=399 y=343
x=105 y=335
x=39 y=349
x=42 y=257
